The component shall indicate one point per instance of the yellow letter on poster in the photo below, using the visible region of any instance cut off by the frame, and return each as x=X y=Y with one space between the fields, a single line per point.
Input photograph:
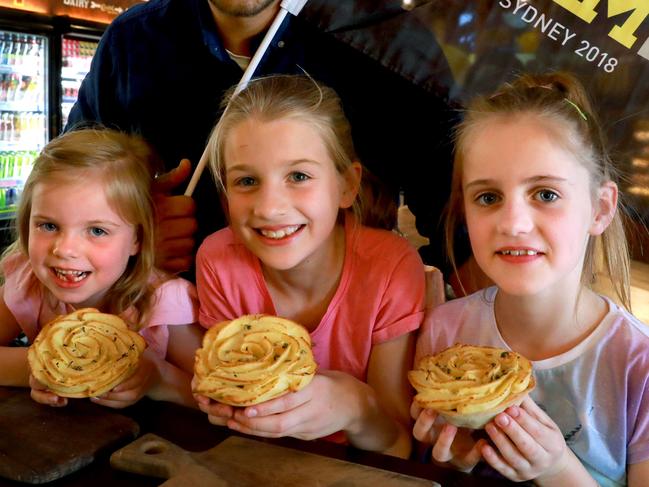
x=624 y=34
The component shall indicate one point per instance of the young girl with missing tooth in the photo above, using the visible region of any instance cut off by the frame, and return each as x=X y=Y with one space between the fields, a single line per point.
x=296 y=247
x=536 y=188
x=85 y=239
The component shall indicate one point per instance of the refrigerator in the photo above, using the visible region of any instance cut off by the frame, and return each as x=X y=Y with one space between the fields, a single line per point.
x=77 y=50
x=43 y=60
x=24 y=109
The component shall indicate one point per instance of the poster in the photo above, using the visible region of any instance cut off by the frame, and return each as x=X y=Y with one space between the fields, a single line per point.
x=604 y=42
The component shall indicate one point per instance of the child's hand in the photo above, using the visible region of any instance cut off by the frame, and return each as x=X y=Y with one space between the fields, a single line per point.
x=42 y=395
x=135 y=387
x=529 y=445
x=217 y=413
x=451 y=444
x=330 y=403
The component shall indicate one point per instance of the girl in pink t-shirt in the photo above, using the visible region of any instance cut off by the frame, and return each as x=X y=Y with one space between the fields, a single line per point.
x=85 y=239
x=283 y=157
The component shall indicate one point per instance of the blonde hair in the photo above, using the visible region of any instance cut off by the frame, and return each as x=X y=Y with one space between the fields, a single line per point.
x=126 y=166
x=301 y=98
x=561 y=103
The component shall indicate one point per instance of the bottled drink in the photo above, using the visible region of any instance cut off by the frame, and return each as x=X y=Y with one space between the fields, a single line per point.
x=25 y=81
x=33 y=94
x=7 y=126
x=3 y=162
x=12 y=86
x=23 y=118
x=9 y=165
x=6 y=49
x=10 y=197
x=3 y=126
x=15 y=127
x=18 y=161
x=38 y=51
x=13 y=54
x=24 y=51
x=4 y=85
x=33 y=54
x=3 y=41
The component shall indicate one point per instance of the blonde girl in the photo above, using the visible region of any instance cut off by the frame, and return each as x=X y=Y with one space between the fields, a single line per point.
x=296 y=247
x=85 y=239
x=537 y=190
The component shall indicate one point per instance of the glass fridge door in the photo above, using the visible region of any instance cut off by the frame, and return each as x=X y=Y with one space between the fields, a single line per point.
x=23 y=111
x=77 y=54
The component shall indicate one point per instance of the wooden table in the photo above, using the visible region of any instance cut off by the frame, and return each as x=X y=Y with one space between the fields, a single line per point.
x=190 y=430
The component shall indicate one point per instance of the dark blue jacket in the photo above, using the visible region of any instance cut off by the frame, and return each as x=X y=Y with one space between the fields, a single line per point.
x=160 y=71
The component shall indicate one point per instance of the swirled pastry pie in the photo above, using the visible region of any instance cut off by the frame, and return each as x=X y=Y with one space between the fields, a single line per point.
x=85 y=353
x=252 y=359
x=469 y=385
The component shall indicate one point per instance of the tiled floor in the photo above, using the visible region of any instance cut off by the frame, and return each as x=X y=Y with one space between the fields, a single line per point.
x=639 y=270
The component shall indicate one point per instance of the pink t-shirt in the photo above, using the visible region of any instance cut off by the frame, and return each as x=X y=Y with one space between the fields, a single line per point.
x=380 y=295
x=33 y=306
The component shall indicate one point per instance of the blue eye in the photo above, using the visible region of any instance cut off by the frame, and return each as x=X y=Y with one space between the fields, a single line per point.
x=298 y=177
x=47 y=227
x=97 y=232
x=245 y=181
x=547 y=196
x=487 y=199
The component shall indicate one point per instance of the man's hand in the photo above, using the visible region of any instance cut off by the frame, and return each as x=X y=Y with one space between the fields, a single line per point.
x=175 y=221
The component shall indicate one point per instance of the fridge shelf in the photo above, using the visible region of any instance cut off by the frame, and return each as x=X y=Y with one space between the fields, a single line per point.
x=22 y=70
x=72 y=74
x=10 y=145
x=20 y=106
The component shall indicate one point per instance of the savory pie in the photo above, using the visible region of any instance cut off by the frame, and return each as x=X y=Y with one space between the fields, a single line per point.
x=469 y=385
x=252 y=359
x=85 y=353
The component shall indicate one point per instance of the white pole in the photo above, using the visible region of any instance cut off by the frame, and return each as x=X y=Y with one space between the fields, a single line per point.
x=287 y=6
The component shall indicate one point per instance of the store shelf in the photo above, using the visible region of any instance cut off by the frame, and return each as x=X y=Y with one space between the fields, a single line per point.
x=19 y=146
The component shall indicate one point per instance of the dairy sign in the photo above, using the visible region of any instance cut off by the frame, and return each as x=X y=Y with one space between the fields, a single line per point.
x=626 y=18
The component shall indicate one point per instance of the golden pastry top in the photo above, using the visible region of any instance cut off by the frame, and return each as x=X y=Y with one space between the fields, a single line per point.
x=467 y=379
x=252 y=359
x=85 y=353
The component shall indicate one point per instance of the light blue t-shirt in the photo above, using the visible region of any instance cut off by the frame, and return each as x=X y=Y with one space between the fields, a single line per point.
x=597 y=392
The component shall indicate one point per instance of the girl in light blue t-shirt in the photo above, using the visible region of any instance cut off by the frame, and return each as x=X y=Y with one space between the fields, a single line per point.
x=536 y=189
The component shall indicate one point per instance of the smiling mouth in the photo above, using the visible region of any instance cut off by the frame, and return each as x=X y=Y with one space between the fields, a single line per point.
x=70 y=275
x=279 y=234
x=517 y=253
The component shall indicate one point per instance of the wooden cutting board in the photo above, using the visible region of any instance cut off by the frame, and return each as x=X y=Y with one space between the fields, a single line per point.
x=40 y=443
x=242 y=462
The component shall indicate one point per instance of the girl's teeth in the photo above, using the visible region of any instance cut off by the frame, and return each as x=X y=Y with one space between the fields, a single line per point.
x=277 y=234
x=68 y=275
x=519 y=252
